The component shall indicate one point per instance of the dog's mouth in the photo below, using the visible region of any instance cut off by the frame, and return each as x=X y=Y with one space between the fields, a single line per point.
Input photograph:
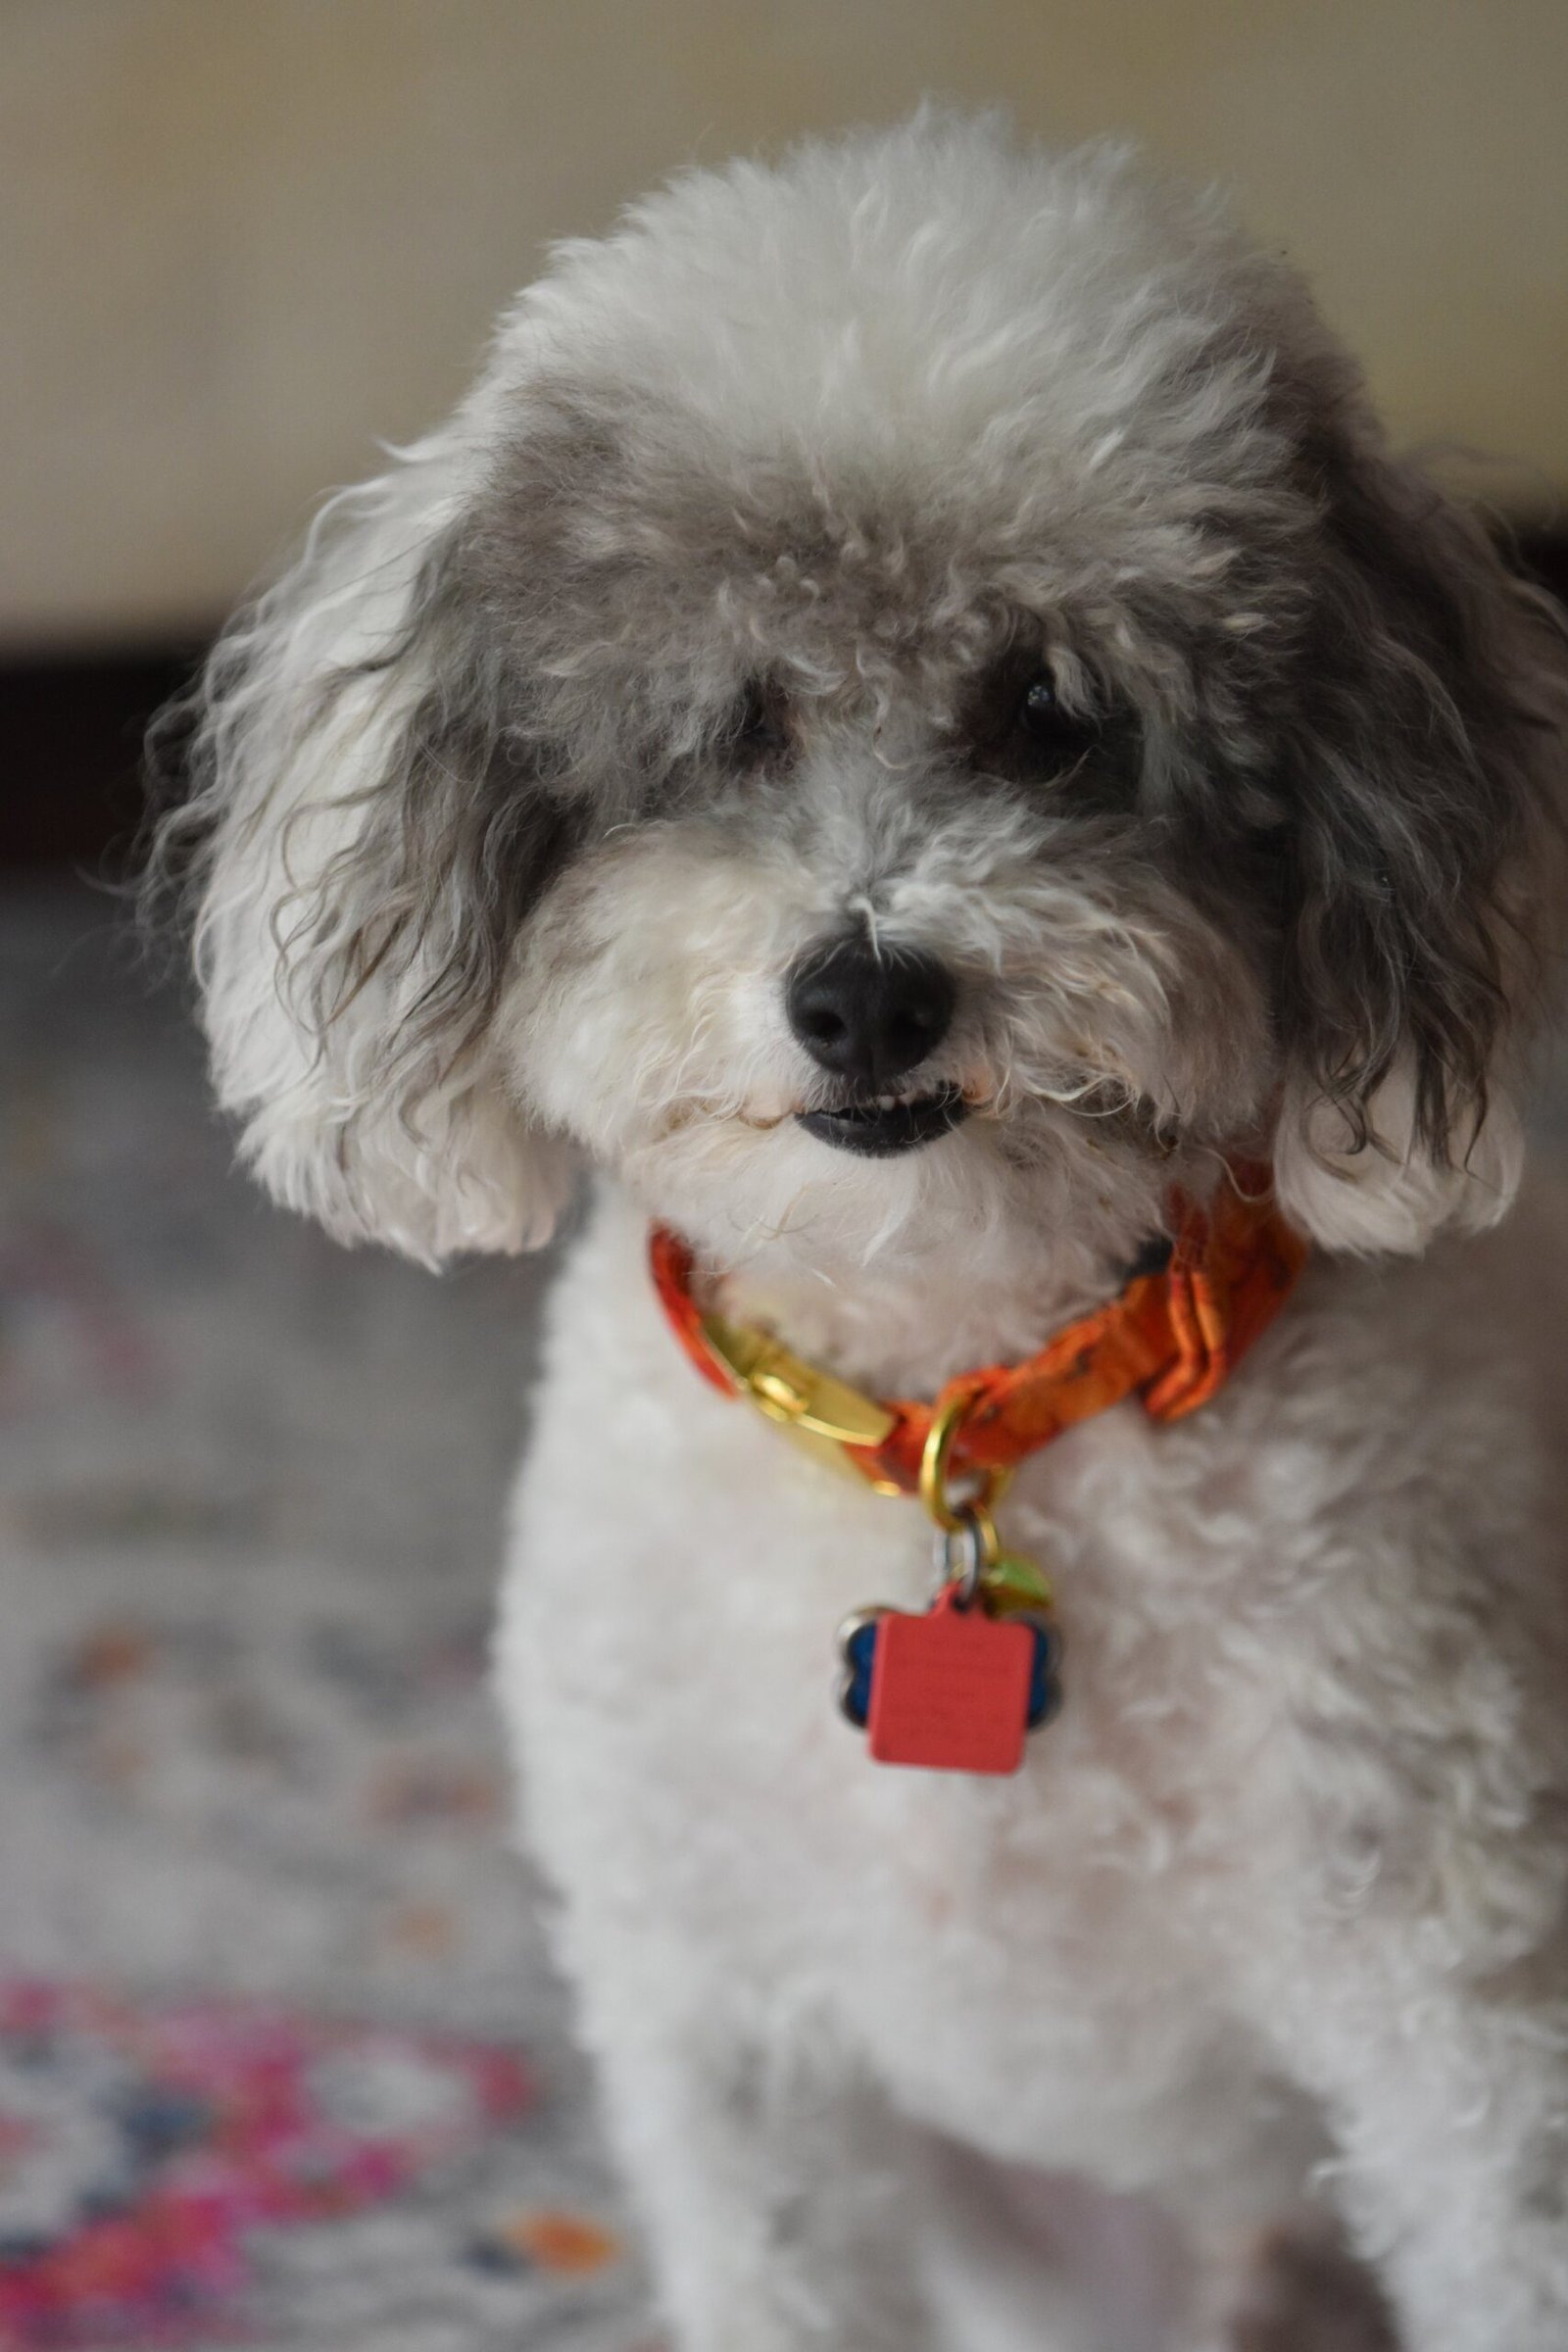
x=886 y=1124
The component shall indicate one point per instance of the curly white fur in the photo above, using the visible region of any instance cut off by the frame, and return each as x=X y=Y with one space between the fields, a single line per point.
x=692 y=640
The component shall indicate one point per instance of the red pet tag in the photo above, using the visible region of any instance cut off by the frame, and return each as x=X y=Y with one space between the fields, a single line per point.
x=955 y=1689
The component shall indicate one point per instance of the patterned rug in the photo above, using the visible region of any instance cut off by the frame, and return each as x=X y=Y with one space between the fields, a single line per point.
x=282 y=2062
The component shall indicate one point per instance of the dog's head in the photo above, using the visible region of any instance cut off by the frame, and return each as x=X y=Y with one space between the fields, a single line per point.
x=911 y=698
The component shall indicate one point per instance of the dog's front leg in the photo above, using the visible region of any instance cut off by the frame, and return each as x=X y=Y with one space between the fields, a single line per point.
x=1451 y=2110
x=778 y=2193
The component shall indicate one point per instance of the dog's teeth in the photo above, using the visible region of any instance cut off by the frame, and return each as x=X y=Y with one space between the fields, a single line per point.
x=879 y=1107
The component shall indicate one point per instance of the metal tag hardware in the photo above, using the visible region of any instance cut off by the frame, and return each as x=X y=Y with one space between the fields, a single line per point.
x=956 y=1688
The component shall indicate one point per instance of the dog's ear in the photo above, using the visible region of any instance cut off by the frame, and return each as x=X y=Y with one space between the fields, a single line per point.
x=367 y=830
x=1421 y=880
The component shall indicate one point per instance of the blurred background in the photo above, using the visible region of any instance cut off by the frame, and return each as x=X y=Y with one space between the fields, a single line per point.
x=280 y=2053
x=243 y=243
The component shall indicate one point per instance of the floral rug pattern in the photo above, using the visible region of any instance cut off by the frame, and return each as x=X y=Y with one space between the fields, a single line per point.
x=140 y=2150
x=283 y=2064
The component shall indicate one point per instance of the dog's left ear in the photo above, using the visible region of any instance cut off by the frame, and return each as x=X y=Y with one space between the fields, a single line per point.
x=1421 y=777
x=369 y=829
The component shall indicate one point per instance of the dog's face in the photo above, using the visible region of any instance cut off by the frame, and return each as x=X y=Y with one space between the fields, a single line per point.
x=910 y=704
x=857 y=925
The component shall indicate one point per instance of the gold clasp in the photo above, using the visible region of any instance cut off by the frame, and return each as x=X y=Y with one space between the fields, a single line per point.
x=794 y=1392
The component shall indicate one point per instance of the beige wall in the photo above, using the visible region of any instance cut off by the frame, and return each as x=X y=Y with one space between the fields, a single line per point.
x=238 y=238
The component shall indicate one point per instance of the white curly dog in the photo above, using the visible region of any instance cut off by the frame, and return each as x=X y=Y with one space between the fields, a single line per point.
x=911 y=723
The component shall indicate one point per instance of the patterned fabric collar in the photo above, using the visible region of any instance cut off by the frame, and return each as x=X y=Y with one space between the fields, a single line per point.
x=1171 y=1336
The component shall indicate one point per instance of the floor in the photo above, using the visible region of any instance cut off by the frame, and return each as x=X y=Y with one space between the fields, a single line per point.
x=282 y=2060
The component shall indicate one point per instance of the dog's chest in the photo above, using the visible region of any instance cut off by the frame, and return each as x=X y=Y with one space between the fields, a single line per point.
x=679 y=1582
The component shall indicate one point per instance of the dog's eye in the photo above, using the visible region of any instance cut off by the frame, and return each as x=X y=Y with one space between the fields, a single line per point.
x=759 y=728
x=1040 y=709
x=1051 y=739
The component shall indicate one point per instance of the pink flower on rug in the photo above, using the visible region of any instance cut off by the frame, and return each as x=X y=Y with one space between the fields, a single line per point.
x=139 y=2148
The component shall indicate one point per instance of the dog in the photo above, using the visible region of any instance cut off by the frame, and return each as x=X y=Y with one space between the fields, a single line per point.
x=911 y=724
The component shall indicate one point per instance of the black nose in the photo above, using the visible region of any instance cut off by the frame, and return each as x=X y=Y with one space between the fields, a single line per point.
x=866 y=1013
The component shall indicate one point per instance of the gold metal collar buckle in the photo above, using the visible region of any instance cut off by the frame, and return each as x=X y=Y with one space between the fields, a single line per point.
x=791 y=1392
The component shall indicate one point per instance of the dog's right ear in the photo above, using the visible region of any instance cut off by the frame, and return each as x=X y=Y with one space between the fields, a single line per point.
x=1423 y=768
x=366 y=829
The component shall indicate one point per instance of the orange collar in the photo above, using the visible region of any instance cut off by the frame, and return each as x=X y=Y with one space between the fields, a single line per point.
x=1172 y=1338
